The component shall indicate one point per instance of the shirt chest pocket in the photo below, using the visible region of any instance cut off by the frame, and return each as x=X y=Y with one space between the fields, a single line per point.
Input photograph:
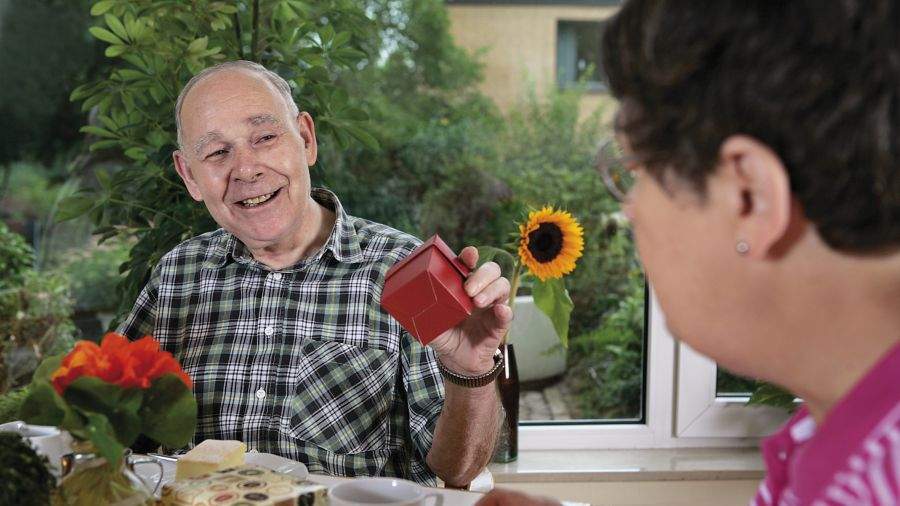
x=342 y=396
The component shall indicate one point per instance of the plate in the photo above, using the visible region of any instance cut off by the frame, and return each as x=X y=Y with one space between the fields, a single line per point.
x=148 y=470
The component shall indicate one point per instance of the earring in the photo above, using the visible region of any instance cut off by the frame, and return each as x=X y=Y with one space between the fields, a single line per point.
x=742 y=247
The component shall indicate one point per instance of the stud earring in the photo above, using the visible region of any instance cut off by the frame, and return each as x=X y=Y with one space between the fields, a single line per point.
x=742 y=247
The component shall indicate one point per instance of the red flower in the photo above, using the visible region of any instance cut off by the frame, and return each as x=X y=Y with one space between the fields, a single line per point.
x=119 y=362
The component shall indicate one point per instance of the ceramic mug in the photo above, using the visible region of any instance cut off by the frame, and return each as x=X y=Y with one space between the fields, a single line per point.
x=45 y=440
x=381 y=492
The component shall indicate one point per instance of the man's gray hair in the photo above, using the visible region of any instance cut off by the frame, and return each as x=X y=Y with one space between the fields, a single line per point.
x=280 y=84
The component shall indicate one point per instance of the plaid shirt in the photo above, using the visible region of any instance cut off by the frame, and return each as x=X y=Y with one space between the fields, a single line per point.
x=302 y=362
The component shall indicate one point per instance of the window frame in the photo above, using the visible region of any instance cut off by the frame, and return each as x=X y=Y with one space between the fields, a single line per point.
x=592 y=86
x=681 y=408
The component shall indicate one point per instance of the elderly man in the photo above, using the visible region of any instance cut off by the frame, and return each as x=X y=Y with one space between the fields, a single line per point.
x=276 y=315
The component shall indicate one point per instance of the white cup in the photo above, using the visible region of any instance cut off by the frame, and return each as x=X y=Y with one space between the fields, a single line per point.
x=46 y=440
x=381 y=492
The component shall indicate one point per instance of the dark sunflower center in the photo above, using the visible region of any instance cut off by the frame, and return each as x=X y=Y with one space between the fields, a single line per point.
x=546 y=242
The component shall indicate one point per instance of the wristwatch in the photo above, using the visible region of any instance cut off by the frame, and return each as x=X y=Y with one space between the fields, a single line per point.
x=474 y=381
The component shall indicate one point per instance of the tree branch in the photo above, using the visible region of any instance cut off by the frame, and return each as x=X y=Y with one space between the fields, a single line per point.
x=255 y=35
x=237 y=35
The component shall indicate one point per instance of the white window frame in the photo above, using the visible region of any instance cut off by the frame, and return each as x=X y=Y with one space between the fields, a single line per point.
x=682 y=409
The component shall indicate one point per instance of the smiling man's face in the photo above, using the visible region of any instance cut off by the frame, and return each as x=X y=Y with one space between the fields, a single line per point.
x=246 y=157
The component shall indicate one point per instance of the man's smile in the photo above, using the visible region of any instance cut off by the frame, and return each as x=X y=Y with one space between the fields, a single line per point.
x=258 y=200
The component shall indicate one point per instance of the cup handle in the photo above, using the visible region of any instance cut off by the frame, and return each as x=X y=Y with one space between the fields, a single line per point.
x=150 y=460
x=438 y=499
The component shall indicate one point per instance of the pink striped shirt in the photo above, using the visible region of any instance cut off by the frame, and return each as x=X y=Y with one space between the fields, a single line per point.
x=852 y=459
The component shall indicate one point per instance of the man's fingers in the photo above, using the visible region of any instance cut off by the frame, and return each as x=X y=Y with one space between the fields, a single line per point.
x=496 y=291
x=469 y=256
x=482 y=278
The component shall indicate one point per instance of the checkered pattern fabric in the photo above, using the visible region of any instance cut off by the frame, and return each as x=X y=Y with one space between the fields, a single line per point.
x=302 y=362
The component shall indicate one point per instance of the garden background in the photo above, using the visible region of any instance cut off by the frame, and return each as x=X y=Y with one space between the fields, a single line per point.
x=89 y=199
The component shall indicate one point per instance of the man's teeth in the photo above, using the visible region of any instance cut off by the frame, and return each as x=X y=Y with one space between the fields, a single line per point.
x=255 y=201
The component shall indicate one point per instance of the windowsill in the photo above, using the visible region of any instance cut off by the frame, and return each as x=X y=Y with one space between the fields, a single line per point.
x=631 y=465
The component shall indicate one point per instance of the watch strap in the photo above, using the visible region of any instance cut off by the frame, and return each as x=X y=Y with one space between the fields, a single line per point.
x=474 y=381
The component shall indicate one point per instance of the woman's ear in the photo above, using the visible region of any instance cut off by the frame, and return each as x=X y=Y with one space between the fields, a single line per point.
x=184 y=171
x=758 y=191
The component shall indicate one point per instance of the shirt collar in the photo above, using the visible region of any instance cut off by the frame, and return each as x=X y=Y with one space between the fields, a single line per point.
x=343 y=242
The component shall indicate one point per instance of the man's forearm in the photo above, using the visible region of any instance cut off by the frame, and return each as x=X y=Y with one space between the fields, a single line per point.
x=465 y=434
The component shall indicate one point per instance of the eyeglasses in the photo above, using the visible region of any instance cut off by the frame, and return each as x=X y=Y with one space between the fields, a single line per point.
x=612 y=164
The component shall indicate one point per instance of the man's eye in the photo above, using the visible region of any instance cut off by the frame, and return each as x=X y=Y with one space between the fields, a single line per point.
x=266 y=138
x=216 y=153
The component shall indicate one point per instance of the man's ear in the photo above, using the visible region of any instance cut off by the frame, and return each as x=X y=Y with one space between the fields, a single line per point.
x=759 y=193
x=184 y=171
x=308 y=131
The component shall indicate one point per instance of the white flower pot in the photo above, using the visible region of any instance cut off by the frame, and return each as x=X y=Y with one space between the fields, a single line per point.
x=539 y=355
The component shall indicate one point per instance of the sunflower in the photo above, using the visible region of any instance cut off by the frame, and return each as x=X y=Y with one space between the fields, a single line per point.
x=550 y=242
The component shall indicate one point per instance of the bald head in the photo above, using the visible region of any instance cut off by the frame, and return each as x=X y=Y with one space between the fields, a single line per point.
x=281 y=86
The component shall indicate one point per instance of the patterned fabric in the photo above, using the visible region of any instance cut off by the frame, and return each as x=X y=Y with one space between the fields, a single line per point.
x=852 y=459
x=302 y=362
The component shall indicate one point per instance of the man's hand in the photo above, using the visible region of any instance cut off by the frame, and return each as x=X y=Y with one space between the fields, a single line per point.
x=469 y=347
x=500 y=497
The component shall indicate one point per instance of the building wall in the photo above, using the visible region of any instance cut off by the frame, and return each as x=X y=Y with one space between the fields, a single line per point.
x=517 y=44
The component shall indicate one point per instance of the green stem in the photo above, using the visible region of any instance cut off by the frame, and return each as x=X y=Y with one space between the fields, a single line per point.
x=513 y=288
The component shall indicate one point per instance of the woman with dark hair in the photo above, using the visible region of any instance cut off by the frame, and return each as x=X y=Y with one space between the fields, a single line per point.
x=761 y=146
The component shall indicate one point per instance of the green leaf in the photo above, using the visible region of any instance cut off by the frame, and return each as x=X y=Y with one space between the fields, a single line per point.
x=100 y=432
x=40 y=407
x=74 y=206
x=770 y=395
x=131 y=74
x=108 y=122
x=169 y=413
x=103 y=145
x=355 y=114
x=115 y=50
x=102 y=6
x=136 y=61
x=553 y=299
x=117 y=27
x=136 y=153
x=95 y=130
x=79 y=93
x=118 y=405
x=362 y=136
x=47 y=368
x=103 y=178
x=105 y=35
x=197 y=45
x=503 y=258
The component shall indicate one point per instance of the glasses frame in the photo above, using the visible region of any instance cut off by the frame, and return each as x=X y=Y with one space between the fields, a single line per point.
x=604 y=164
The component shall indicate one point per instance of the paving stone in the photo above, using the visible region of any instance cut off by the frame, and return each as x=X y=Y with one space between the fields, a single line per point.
x=556 y=402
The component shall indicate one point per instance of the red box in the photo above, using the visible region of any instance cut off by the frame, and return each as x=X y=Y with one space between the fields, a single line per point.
x=425 y=292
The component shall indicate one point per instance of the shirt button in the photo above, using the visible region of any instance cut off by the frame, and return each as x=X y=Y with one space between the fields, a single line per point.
x=260 y=394
x=276 y=276
x=269 y=331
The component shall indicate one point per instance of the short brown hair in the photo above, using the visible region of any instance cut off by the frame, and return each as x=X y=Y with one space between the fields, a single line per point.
x=817 y=81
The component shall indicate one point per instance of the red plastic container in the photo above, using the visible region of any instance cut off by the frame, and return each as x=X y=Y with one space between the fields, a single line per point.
x=425 y=292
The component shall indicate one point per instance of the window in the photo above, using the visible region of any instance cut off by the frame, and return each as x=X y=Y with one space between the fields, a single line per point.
x=682 y=408
x=623 y=381
x=578 y=54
